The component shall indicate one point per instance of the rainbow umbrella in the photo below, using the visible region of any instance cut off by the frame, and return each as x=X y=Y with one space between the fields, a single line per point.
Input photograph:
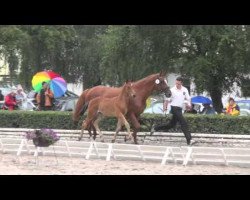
x=57 y=84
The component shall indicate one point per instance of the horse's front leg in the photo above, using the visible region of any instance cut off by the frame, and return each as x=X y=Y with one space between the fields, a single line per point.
x=118 y=128
x=136 y=125
x=128 y=130
x=95 y=123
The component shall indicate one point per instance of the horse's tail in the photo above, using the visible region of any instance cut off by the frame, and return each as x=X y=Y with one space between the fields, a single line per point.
x=81 y=107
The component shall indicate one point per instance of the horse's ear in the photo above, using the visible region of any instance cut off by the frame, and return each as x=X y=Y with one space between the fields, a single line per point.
x=163 y=73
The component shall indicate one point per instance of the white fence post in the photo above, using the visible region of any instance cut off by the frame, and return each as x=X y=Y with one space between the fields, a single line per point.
x=1 y=145
x=224 y=157
x=67 y=146
x=27 y=146
x=96 y=149
x=36 y=154
x=89 y=151
x=20 y=148
x=139 y=149
x=185 y=161
x=109 y=152
x=165 y=157
x=172 y=154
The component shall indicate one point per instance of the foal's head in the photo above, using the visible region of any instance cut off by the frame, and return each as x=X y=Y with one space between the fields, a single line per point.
x=127 y=88
x=161 y=84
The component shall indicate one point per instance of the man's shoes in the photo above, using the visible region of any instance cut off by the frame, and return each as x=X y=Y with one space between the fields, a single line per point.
x=192 y=142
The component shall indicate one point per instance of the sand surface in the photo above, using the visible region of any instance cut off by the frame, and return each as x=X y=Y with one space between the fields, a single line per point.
x=49 y=165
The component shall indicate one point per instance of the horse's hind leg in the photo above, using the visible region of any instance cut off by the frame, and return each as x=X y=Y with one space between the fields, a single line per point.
x=94 y=130
x=85 y=125
x=90 y=133
x=82 y=131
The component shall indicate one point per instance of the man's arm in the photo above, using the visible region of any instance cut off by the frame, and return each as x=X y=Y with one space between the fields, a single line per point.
x=166 y=102
x=165 y=105
x=49 y=93
x=188 y=100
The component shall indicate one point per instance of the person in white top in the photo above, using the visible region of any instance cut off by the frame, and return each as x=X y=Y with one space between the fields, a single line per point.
x=21 y=97
x=180 y=98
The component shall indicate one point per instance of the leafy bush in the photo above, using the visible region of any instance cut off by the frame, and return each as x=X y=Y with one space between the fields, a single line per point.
x=217 y=124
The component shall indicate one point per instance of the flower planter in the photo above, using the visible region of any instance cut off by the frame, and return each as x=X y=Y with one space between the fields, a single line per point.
x=41 y=142
x=43 y=137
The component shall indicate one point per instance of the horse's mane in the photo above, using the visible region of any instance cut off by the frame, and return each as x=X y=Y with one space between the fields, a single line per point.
x=144 y=79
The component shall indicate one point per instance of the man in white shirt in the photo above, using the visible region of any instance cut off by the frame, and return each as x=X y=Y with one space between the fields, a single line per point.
x=179 y=98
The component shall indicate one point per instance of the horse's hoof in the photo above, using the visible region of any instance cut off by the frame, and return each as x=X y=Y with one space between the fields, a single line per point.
x=113 y=141
x=102 y=140
x=79 y=139
x=125 y=139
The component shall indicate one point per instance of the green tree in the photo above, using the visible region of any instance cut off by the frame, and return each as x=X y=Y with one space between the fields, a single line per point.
x=216 y=57
x=136 y=51
x=12 y=40
x=87 y=57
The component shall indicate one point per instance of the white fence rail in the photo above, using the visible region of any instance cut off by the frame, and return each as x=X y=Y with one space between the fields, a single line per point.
x=143 y=137
x=12 y=141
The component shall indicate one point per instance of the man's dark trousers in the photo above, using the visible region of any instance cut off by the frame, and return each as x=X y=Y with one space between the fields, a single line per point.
x=177 y=117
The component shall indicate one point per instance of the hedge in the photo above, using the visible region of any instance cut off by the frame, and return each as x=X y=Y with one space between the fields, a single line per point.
x=217 y=124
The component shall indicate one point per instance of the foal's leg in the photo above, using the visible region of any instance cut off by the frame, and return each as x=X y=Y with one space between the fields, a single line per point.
x=136 y=124
x=118 y=128
x=95 y=123
x=85 y=125
x=125 y=122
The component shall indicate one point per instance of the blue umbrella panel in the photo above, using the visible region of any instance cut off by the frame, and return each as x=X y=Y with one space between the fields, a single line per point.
x=201 y=99
x=59 y=86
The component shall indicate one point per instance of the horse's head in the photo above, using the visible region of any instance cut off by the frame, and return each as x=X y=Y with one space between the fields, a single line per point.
x=129 y=90
x=161 y=84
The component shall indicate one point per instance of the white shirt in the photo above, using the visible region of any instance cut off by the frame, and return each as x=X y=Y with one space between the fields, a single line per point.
x=23 y=97
x=179 y=97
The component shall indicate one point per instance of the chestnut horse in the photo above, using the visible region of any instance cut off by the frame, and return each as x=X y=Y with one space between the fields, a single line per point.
x=110 y=107
x=143 y=89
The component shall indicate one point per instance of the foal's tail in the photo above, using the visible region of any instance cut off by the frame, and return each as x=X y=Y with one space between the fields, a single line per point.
x=81 y=107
